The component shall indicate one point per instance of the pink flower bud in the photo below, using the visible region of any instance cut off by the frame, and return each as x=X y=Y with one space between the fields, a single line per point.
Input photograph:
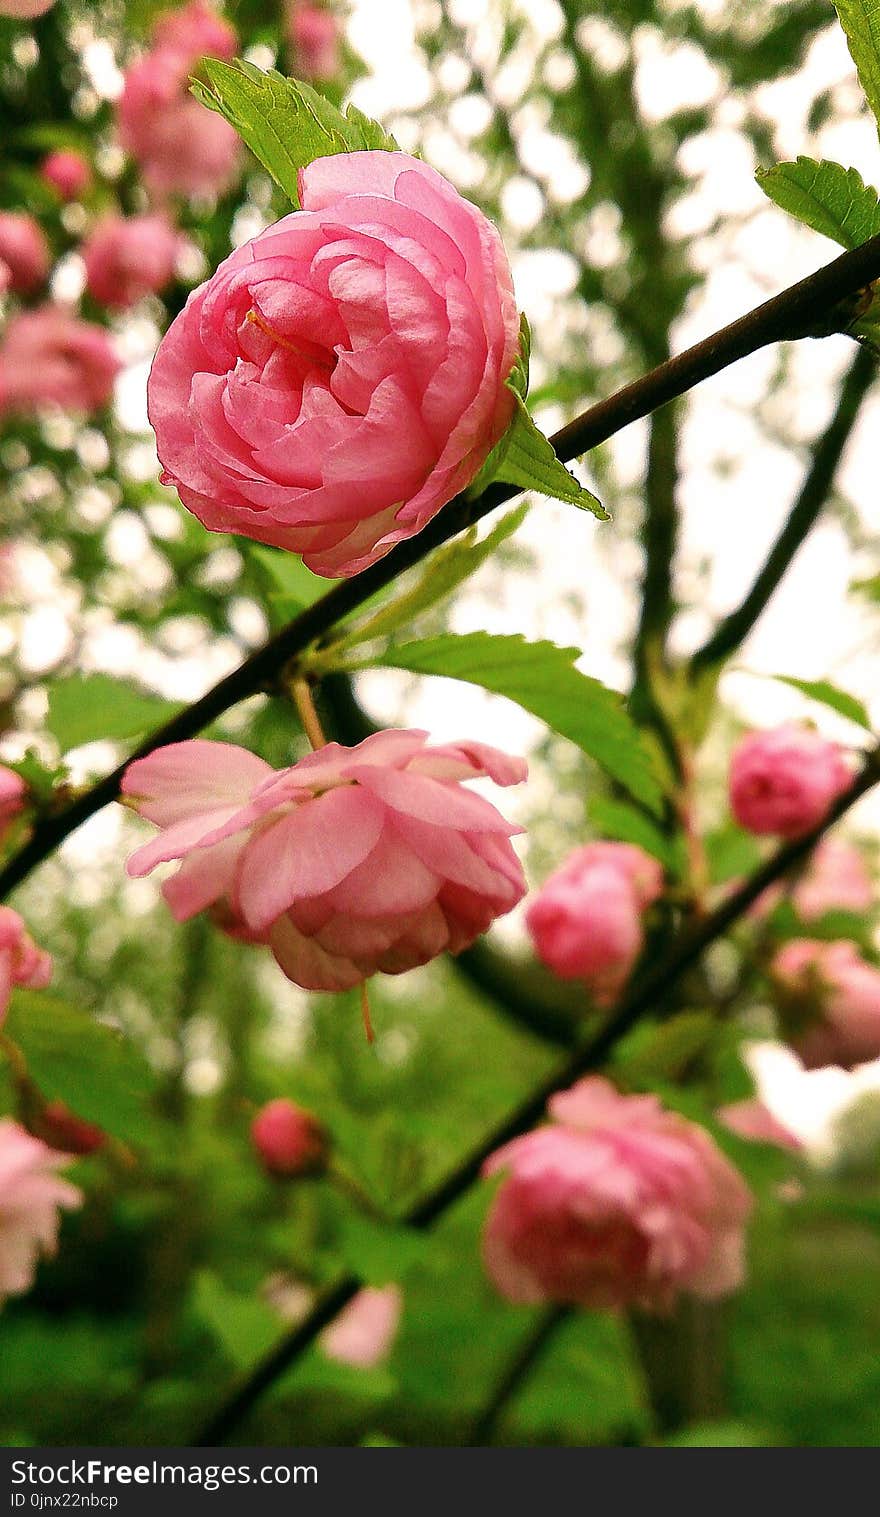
x=288 y=1139
x=364 y=1331
x=353 y=861
x=127 y=258
x=70 y=1134
x=195 y=31
x=67 y=172
x=836 y=879
x=48 y=357
x=830 y=1002
x=342 y=375
x=314 y=39
x=13 y=792
x=24 y=251
x=751 y=1119
x=586 y=920
x=785 y=780
x=30 y=1195
x=21 y=961
x=615 y=1203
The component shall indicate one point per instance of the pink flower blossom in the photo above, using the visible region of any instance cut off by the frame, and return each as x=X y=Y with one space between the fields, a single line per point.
x=751 y=1119
x=48 y=357
x=586 y=920
x=342 y=375
x=615 y=1203
x=352 y=861
x=24 y=251
x=364 y=1331
x=835 y=879
x=830 y=1001
x=21 y=961
x=30 y=1195
x=25 y=10
x=313 y=33
x=784 y=781
x=13 y=791
x=127 y=258
x=67 y=172
x=179 y=145
x=288 y=1139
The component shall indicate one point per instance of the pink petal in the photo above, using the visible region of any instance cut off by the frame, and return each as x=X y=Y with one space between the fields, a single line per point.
x=443 y=805
x=198 y=775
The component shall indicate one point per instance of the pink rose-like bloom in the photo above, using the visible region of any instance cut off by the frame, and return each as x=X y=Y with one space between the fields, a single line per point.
x=352 y=861
x=783 y=781
x=25 y=10
x=288 y=1139
x=12 y=793
x=342 y=375
x=314 y=38
x=48 y=357
x=67 y=172
x=586 y=920
x=180 y=146
x=616 y=1203
x=750 y=1119
x=30 y=1196
x=834 y=995
x=127 y=258
x=21 y=961
x=24 y=251
x=364 y=1331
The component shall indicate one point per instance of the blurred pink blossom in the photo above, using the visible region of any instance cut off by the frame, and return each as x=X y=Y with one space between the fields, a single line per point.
x=21 y=961
x=289 y=1140
x=784 y=781
x=313 y=33
x=352 y=861
x=616 y=1202
x=129 y=257
x=830 y=997
x=48 y=357
x=751 y=1119
x=68 y=172
x=25 y=10
x=24 y=251
x=364 y=1331
x=30 y=1196
x=835 y=879
x=13 y=792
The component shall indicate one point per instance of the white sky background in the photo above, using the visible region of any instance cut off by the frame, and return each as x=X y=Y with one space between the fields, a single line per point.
x=812 y=629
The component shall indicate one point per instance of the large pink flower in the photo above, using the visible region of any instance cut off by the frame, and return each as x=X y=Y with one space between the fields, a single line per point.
x=24 y=251
x=21 y=961
x=180 y=146
x=783 y=781
x=48 y=357
x=129 y=257
x=586 y=920
x=830 y=1001
x=353 y=861
x=615 y=1203
x=30 y=1195
x=342 y=375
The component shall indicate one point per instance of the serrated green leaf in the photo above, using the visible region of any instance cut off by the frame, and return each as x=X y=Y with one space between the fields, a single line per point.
x=829 y=695
x=445 y=570
x=86 y=708
x=625 y=824
x=542 y=678
x=825 y=196
x=285 y=123
x=860 y=20
x=92 y=1068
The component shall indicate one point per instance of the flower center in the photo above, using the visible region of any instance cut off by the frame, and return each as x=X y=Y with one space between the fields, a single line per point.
x=309 y=352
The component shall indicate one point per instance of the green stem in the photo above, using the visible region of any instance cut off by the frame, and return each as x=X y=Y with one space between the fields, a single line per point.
x=529 y=1354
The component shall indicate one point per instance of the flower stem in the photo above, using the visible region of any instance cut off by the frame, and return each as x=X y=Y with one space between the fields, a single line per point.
x=305 y=705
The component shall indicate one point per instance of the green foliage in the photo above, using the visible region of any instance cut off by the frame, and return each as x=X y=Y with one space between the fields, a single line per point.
x=287 y=584
x=244 y=1325
x=541 y=678
x=284 y=122
x=860 y=20
x=88 y=708
x=826 y=694
x=625 y=823
x=825 y=196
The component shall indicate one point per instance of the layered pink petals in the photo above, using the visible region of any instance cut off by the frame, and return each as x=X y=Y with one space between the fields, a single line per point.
x=30 y=1195
x=783 y=781
x=48 y=357
x=829 y=998
x=23 y=251
x=615 y=1203
x=586 y=920
x=127 y=258
x=341 y=376
x=353 y=861
x=21 y=961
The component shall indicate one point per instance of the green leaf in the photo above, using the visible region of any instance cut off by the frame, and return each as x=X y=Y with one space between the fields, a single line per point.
x=524 y=457
x=542 y=678
x=829 y=695
x=444 y=572
x=825 y=196
x=244 y=1326
x=378 y=1252
x=86 y=708
x=626 y=824
x=285 y=123
x=860 y=20
x=92 y=1068
x=287 y=584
